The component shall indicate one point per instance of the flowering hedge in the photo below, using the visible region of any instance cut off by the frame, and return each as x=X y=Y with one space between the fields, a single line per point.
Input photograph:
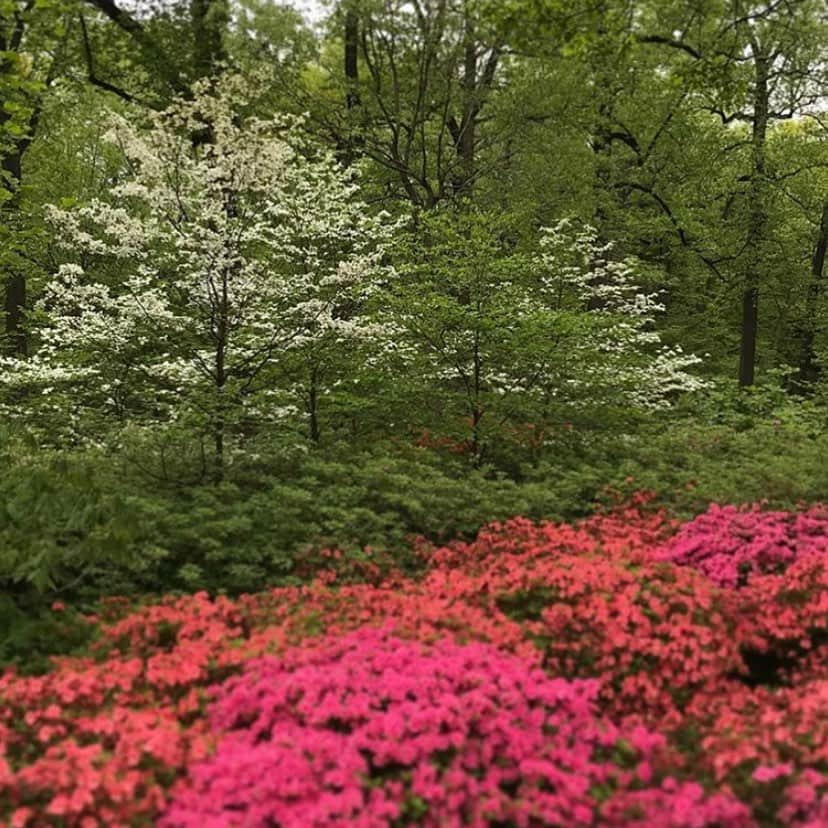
x=367 y=729
x=540 y=675
x=730 y=544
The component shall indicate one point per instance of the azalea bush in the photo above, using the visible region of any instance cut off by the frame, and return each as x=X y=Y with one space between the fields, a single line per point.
x=370 y=730
x=538 y=675
x=729 y=544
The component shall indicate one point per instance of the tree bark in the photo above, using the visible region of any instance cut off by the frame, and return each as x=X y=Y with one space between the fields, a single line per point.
x=352 y=99
x=477 y=410
x=209 y=19
x=11 y=163
x=313 y=405
x=600 y=143
x=221 y=338
x=15 y=308
x=348 y=142
x=468 y=124
x=757 y=218
x=749 y=331
x=15 y=343
x=464 y=133
x=809 y=371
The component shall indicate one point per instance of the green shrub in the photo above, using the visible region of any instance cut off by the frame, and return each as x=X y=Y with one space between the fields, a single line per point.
x=29 y=636
x=733 y=448
x=89 y=522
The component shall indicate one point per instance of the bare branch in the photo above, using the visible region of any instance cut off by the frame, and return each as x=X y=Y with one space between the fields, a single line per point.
x=127 y=23
x=91 y=76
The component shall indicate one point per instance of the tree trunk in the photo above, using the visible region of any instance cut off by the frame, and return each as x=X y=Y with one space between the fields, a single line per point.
x=15 y=341
x=313 y=405
x=809 y=371
x=470 y=109
x=464 y=136
x=757 y=220
x=750 y=326
x=11 y=164
x=606 y=89
x=477 y=409
x=348 y=141
x=209 y=21
x=218 y=457
x=352 y=99
x=15 y=305
x=222 y=335
x=219 y=415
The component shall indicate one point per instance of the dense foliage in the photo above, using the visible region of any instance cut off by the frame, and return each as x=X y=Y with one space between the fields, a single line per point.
x=273 y=285
x=295 y=302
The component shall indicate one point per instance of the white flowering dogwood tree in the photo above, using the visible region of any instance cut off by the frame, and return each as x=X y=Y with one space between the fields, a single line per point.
x=227 y=244
x=622 y=353
x=526 y=338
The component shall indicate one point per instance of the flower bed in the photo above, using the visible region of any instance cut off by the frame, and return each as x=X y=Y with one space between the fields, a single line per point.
x=730 y=544
x=543 y=675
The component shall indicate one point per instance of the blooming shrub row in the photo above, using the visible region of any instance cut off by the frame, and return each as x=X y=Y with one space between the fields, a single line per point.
x=370 y=729
x=540 y=675
x=730 y=544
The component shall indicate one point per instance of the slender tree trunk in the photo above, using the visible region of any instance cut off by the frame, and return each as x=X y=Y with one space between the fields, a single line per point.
x=313 y=405
x=809 y=371
x=15 y=288
x=220 y=380
x=477 y=411
x=11 y=164
x=221 y=336
x=749 y=331
x=15 y=305
x=463 y=133
x=352 y=99
x=468 y=126
x=757 y=220
x=209 y=22
x=606 y=88
x=348 y=142
x=218 y=457
x=601 y=149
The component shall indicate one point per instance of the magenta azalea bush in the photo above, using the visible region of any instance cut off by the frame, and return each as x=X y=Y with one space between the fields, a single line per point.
x=729 y=544
x=370 y=730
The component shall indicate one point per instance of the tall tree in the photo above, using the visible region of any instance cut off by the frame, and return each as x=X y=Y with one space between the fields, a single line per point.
x=414 y=81
x=759 y=64
x=172 y=44
x=33 y=37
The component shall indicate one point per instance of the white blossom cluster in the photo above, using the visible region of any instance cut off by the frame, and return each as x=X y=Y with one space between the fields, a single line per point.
x=227 y=242
x=527 y=337
x=575 y=264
